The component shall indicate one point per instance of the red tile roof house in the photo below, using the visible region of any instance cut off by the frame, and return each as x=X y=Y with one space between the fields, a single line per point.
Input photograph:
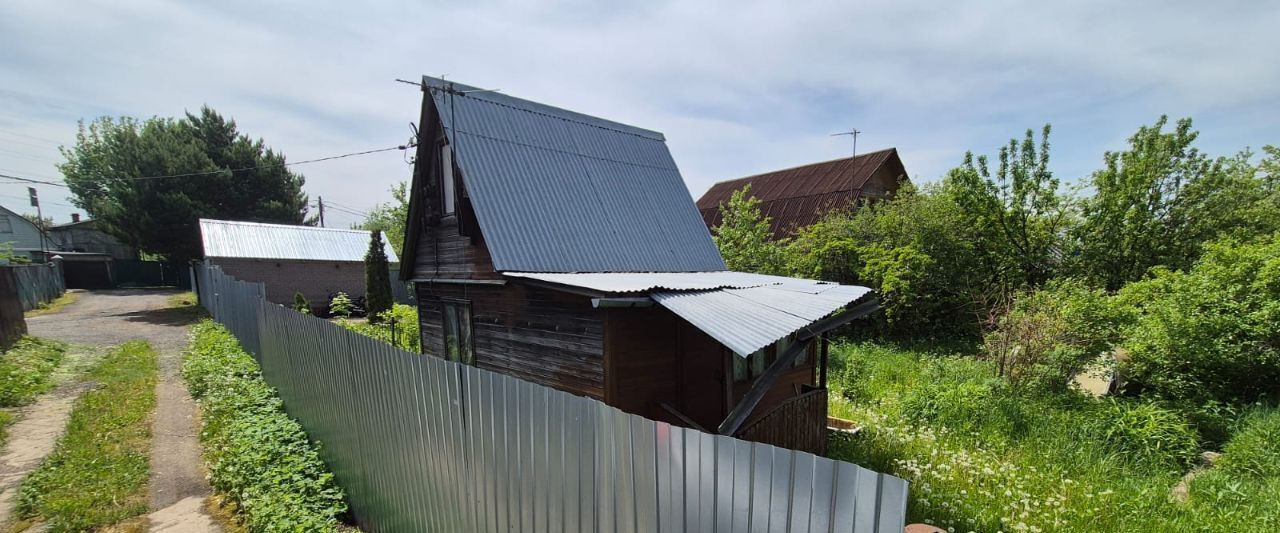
x=797 y=197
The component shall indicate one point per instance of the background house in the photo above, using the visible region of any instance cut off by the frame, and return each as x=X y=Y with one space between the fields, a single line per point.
x=317 y=262
x=797 y=197
x=27 y=239
x=84 y=236
x=565 y=250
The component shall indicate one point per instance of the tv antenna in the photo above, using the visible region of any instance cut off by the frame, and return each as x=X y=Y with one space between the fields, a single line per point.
x=854 y=133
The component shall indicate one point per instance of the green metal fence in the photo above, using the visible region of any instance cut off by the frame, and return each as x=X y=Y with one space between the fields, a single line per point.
x=38 y=284
x=424 y=444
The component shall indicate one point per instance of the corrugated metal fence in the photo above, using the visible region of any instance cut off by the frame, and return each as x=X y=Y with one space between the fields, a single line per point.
x=38 y=284
x=423 y=444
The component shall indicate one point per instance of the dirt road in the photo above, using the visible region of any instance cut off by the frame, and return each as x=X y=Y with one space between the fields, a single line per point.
x=108 y=318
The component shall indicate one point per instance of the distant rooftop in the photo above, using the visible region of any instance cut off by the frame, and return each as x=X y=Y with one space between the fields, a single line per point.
x=256 y=240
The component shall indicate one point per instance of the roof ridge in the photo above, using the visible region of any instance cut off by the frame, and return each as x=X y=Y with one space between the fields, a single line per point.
x=602 y=123
x=776 y=171
x=272 y=224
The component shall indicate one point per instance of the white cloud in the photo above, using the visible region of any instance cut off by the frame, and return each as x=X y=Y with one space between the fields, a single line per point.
x=738 y=87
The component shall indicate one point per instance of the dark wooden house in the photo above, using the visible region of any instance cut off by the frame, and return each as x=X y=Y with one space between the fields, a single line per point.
x=797 y=197
x=565 y=250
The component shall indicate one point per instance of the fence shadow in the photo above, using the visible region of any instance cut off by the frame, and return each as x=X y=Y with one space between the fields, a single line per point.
x=171 y=316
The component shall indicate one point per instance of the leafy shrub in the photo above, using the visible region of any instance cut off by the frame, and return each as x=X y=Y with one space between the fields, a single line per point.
x=26 y=368
x=1051 y=334
x=1210 y=333
x=1144 y=433
x=397 y=326
x=300 y=303
x=744 y=236
x=341 y=305
x=916 y=250
x=256 y=454
x=1255 y=450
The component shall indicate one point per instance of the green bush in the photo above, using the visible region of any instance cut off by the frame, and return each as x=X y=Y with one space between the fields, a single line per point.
x=300 y=303
x=26 y=368
x=1144 y=433
x=256 y=454
x=916 y=250
x=1050 y=335
x=1210 y=333
x=1255 y=450
x=341 y=305
x=402 y=319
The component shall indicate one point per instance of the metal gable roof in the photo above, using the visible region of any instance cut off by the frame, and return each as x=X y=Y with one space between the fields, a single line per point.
x=558 y=191
x=256 y=240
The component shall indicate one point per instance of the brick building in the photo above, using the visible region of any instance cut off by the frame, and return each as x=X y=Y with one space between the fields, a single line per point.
x=318 y=262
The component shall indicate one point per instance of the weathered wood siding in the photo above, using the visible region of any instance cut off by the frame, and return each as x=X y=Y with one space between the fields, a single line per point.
x=643 y=365
x=799 y=423
x=445 y=254
x=539 y=335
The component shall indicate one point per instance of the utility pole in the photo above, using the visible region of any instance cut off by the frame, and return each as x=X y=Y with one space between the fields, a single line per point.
x=35 y=202
x=853 y=132
x=320 y=199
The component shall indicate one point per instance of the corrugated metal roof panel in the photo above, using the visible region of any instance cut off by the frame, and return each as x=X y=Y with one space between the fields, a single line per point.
x=255 y=240
x=798 y=197
x=615 y=282
x=558 y=191
x=748 y=319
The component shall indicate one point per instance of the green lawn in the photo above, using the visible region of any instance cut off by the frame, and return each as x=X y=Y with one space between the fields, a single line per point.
x=981 y=456
x=97 y=475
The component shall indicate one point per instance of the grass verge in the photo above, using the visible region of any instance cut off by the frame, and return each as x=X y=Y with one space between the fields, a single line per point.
x=97 y=475
x=258 y=458
x=55 y=305
x=981 y=456
x=26 y=370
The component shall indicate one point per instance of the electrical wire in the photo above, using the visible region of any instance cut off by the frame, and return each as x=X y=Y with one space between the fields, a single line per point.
x=29 y=180
x=233 y=170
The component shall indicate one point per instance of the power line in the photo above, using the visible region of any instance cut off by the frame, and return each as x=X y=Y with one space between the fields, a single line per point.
x=29 y=180
x=45 y=139
x=330 y=158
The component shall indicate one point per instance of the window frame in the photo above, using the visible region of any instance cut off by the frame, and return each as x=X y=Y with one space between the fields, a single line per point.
x=448 y=183
x=457 y=311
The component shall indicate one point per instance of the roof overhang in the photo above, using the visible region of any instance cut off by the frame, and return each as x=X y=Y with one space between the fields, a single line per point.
x=743 y=311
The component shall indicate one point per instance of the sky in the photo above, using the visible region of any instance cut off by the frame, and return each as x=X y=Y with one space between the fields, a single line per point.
x=737 y=87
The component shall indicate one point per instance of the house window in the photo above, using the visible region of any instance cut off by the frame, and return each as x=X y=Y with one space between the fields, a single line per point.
x=5 y=225
x=456 y=320
x=446 y=179
x=754 y=365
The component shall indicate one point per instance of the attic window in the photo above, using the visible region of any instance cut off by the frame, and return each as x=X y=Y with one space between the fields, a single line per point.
x=450 y=193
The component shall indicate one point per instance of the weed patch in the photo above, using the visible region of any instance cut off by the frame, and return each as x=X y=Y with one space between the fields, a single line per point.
x=97 y=475
x=982 y=456
x=55 y=305
x=257 y=456
x=26 y=368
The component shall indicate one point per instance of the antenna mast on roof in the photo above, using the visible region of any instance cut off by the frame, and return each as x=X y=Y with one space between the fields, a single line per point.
x=853 y=132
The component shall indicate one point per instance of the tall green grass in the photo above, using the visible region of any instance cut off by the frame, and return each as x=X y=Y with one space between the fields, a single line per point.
x=97 y=474
x=983 y=456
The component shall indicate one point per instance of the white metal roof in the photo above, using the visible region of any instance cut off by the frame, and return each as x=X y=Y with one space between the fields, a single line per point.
x=618 y=282
x=256 y=240
x=746 y=320
x=743 y=311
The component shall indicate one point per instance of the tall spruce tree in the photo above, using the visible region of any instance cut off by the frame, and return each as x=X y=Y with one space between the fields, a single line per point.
x=377 y=277
x=149 y=182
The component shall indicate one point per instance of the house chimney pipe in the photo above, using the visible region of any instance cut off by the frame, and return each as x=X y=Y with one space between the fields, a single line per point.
x=75 y=217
